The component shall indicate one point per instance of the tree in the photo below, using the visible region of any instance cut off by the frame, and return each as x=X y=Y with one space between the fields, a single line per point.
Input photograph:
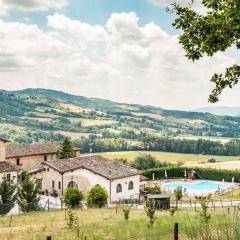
x=66 y=149
x=27 y=194
x=208 y=34
x=7 y=196
x=150 y=210
x=178 y=195
x=97 y=196
x=73 y=198
x=126 y=211
x=145 y=161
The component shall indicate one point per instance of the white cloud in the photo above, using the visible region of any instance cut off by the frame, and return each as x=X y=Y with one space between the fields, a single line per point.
x=30 y=5
x=122 y=61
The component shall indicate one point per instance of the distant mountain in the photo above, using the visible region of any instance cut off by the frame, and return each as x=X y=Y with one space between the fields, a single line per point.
x=32 y=115
x=221 y=110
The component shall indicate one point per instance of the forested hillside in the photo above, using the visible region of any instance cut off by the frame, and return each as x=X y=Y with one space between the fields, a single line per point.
x=32 y=115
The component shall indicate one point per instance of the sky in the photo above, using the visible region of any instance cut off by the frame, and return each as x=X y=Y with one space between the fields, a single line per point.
x=126 y=51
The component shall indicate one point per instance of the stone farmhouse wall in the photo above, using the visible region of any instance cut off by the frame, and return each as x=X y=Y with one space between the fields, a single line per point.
x=2 y=151
x=13 y=176
x=85 y=179
x=31 y=162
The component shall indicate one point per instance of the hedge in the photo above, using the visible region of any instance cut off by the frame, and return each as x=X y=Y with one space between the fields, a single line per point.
x=205 y=173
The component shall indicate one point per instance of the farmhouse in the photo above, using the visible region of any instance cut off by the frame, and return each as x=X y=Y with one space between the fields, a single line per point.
x=121 y=181
x=7 y=170
x=29 y=156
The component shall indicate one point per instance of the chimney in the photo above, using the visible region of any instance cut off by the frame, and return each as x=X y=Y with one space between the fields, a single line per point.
x=3 y=149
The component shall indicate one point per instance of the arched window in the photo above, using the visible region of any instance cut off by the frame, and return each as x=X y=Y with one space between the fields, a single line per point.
x=130 y=185
x=119 y=188
x=72 y=184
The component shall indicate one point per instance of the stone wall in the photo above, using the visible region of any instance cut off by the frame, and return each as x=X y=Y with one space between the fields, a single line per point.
x=31 y=162
x=13 y=176
x=85 y=180
x=2 y=151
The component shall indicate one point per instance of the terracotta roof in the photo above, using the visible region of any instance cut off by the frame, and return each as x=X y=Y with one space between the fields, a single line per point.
x=143 y=178
x=8 y=167
x=32 y=149
x=97 y=164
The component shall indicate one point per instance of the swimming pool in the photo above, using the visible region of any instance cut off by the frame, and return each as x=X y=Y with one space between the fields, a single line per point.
x=203 y=187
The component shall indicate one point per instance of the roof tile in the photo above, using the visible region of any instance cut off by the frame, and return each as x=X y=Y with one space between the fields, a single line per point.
x=107 y=168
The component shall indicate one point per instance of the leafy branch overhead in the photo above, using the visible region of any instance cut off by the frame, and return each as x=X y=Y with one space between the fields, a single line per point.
x=215 y=31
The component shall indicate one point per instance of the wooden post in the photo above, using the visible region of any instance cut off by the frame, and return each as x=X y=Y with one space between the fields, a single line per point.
x=85 y=237
x=116 y=208
x=48 y=205
x=10 y=223
x=48 y=238
x=176 y=236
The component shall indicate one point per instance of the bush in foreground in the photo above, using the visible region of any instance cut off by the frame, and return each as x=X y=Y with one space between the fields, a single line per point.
x=97 y=197
x=73 y=198
x=27 y=194
x=7 y=196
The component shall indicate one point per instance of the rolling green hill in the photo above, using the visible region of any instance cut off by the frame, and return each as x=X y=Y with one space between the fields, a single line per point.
x=40 y=114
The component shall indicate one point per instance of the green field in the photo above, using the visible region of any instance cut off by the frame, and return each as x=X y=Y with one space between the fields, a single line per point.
x=105 y=224
x=169 y=157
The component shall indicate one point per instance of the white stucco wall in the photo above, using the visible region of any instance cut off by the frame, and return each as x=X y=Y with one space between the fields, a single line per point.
x=85 y=180
x=126 y=193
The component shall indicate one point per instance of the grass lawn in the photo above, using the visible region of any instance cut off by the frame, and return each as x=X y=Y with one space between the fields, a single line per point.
x=169 y=157
x=102 y=224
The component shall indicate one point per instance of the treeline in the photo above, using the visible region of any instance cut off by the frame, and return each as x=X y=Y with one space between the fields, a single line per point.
x=151 y=143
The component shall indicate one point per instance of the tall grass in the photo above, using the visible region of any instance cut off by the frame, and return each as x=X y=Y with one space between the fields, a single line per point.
x=105 y=224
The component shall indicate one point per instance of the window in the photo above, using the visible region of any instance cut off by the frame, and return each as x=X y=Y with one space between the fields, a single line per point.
x=119 y=188
x=130 y=185
x=18 y=161
x=9 y=176
x=59 y=185
x=53 y=184
x=45 y=158
x=72 y=184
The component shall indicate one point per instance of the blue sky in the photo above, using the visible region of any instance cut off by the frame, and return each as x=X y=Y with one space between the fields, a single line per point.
x=99 y=11
x=121 y=50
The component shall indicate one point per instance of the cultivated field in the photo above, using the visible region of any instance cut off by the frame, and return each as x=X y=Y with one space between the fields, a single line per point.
x=104 y=224
x=169 y=157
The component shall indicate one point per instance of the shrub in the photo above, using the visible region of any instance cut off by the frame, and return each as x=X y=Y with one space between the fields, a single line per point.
x=178 y=195
x=97 y=197
x=126 y=212
x=73 y=198
x=54 y=193
x=212 y=160
x=205 y=173
x=153 y=190
x=150 y=210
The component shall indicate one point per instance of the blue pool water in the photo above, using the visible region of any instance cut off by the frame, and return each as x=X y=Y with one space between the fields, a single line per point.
x=197 y=188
